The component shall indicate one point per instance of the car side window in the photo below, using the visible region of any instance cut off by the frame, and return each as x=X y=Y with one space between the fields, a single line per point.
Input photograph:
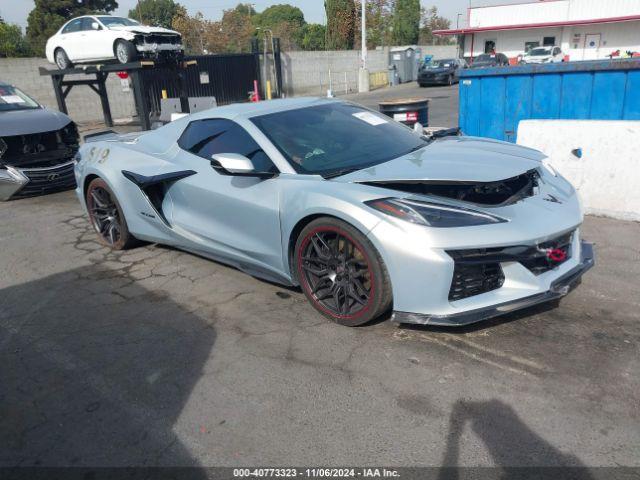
x=86 y=24
x=73 y=26
x=209 y=137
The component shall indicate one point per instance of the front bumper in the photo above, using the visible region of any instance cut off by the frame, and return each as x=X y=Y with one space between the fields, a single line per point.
x=25 y=182
x=153 y=48
x=559 y=288
x=434 y=79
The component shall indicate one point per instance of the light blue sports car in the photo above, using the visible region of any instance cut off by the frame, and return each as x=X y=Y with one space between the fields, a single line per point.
x=364 y=214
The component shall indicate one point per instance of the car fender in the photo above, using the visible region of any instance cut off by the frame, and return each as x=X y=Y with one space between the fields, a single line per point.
x=300 y=205
x=107 y=160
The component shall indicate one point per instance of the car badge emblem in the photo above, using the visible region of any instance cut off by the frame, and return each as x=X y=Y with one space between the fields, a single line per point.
x=53 y=177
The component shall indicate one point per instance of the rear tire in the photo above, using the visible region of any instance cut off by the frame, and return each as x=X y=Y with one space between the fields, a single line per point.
x=341 y=273
x=62 y=59
x=125 y=51
x=107 y=218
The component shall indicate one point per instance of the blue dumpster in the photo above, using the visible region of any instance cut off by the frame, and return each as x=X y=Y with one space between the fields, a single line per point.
x=494 y=100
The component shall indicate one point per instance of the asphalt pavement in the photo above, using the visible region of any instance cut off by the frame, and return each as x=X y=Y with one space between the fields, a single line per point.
x=157 y=357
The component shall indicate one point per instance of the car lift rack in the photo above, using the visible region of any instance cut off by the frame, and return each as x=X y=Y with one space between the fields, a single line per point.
x=62 y=86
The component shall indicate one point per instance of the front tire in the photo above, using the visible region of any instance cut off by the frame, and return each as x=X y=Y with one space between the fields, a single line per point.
x=341 y=273
x=62 y=59
x=125 y=51
x=107 y=218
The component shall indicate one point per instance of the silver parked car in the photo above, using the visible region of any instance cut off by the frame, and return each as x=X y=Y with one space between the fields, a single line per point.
x=361 y=212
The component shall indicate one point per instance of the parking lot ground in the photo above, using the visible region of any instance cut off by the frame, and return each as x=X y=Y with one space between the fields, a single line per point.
x=443 y=104
x=158 y=357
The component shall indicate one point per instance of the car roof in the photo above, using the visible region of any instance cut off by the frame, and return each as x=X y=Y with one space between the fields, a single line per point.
x=248 y=110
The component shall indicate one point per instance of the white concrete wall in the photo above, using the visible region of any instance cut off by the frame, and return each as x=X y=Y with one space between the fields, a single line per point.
x=307 y=73
x=608 y=174
x=616 y=36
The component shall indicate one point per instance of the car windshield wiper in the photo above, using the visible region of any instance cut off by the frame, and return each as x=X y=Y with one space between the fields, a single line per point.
x=342 y=171
x=447 y=132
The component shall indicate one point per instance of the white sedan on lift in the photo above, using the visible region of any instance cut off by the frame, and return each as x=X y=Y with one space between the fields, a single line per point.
x=94 y=38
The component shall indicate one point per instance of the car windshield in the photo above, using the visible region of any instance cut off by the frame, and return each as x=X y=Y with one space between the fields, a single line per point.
x=333 y=139
x=13 y=99
x=441 y=64
x=540 y=52
x=117 y=22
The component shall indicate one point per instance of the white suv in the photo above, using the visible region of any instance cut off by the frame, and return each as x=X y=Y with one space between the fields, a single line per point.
x=549 y=54
x=103 y=37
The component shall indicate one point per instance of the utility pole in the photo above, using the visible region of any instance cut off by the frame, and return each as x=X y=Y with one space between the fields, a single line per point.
x=363 y=74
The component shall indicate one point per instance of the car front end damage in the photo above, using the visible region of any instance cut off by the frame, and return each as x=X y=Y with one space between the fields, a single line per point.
x=37 y=163
x=154 y=45
x=520 y=246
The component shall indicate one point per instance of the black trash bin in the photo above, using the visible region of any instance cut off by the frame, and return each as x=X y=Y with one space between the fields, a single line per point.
x=407 y=110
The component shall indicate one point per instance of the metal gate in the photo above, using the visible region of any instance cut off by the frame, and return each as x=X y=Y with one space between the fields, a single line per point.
x=228 y=77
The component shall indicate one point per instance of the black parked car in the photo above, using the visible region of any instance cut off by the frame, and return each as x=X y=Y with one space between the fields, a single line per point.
x=441 y=72
x=487 y=60
x=37 y=146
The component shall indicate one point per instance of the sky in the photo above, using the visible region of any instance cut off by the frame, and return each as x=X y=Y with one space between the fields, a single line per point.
x=16 y=11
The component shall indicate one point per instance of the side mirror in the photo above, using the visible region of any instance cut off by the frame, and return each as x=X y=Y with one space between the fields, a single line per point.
x=236 y=165
x=95 y=26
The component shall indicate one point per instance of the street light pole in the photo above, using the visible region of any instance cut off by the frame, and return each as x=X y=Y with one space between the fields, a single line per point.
x=364 y=33
x=363 y=74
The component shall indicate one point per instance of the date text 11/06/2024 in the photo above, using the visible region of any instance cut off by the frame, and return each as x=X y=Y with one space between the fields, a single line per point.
x=315 y=473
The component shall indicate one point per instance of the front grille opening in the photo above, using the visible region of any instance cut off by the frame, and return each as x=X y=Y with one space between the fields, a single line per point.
x=40 y=150
x=540 y=262
x=478 y=270
x=471 y=280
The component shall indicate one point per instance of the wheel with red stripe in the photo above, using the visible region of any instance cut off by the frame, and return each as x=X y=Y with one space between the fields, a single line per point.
x=341 y=273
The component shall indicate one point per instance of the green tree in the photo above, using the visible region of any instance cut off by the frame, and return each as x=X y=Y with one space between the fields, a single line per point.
x=158 y=13
x=285 y=21
x=12 y=42
x=341 y=16
x=313 y=36
x=406 y=22
x=432 y=21
x=49 y=15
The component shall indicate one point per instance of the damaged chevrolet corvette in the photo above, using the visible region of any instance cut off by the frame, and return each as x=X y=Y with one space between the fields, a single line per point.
x=37 y=146
x=364 y=214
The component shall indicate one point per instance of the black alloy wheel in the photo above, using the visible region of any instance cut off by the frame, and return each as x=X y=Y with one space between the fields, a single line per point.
x=106 y=216
x=341 y=273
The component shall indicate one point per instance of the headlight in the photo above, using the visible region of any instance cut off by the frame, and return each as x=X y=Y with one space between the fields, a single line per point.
x=433 y=214
x=546 y=163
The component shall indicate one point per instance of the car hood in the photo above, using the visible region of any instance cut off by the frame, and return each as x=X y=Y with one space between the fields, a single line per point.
x=143 y=29
x=458 y=159
x=436 y=70
x=26 y=122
